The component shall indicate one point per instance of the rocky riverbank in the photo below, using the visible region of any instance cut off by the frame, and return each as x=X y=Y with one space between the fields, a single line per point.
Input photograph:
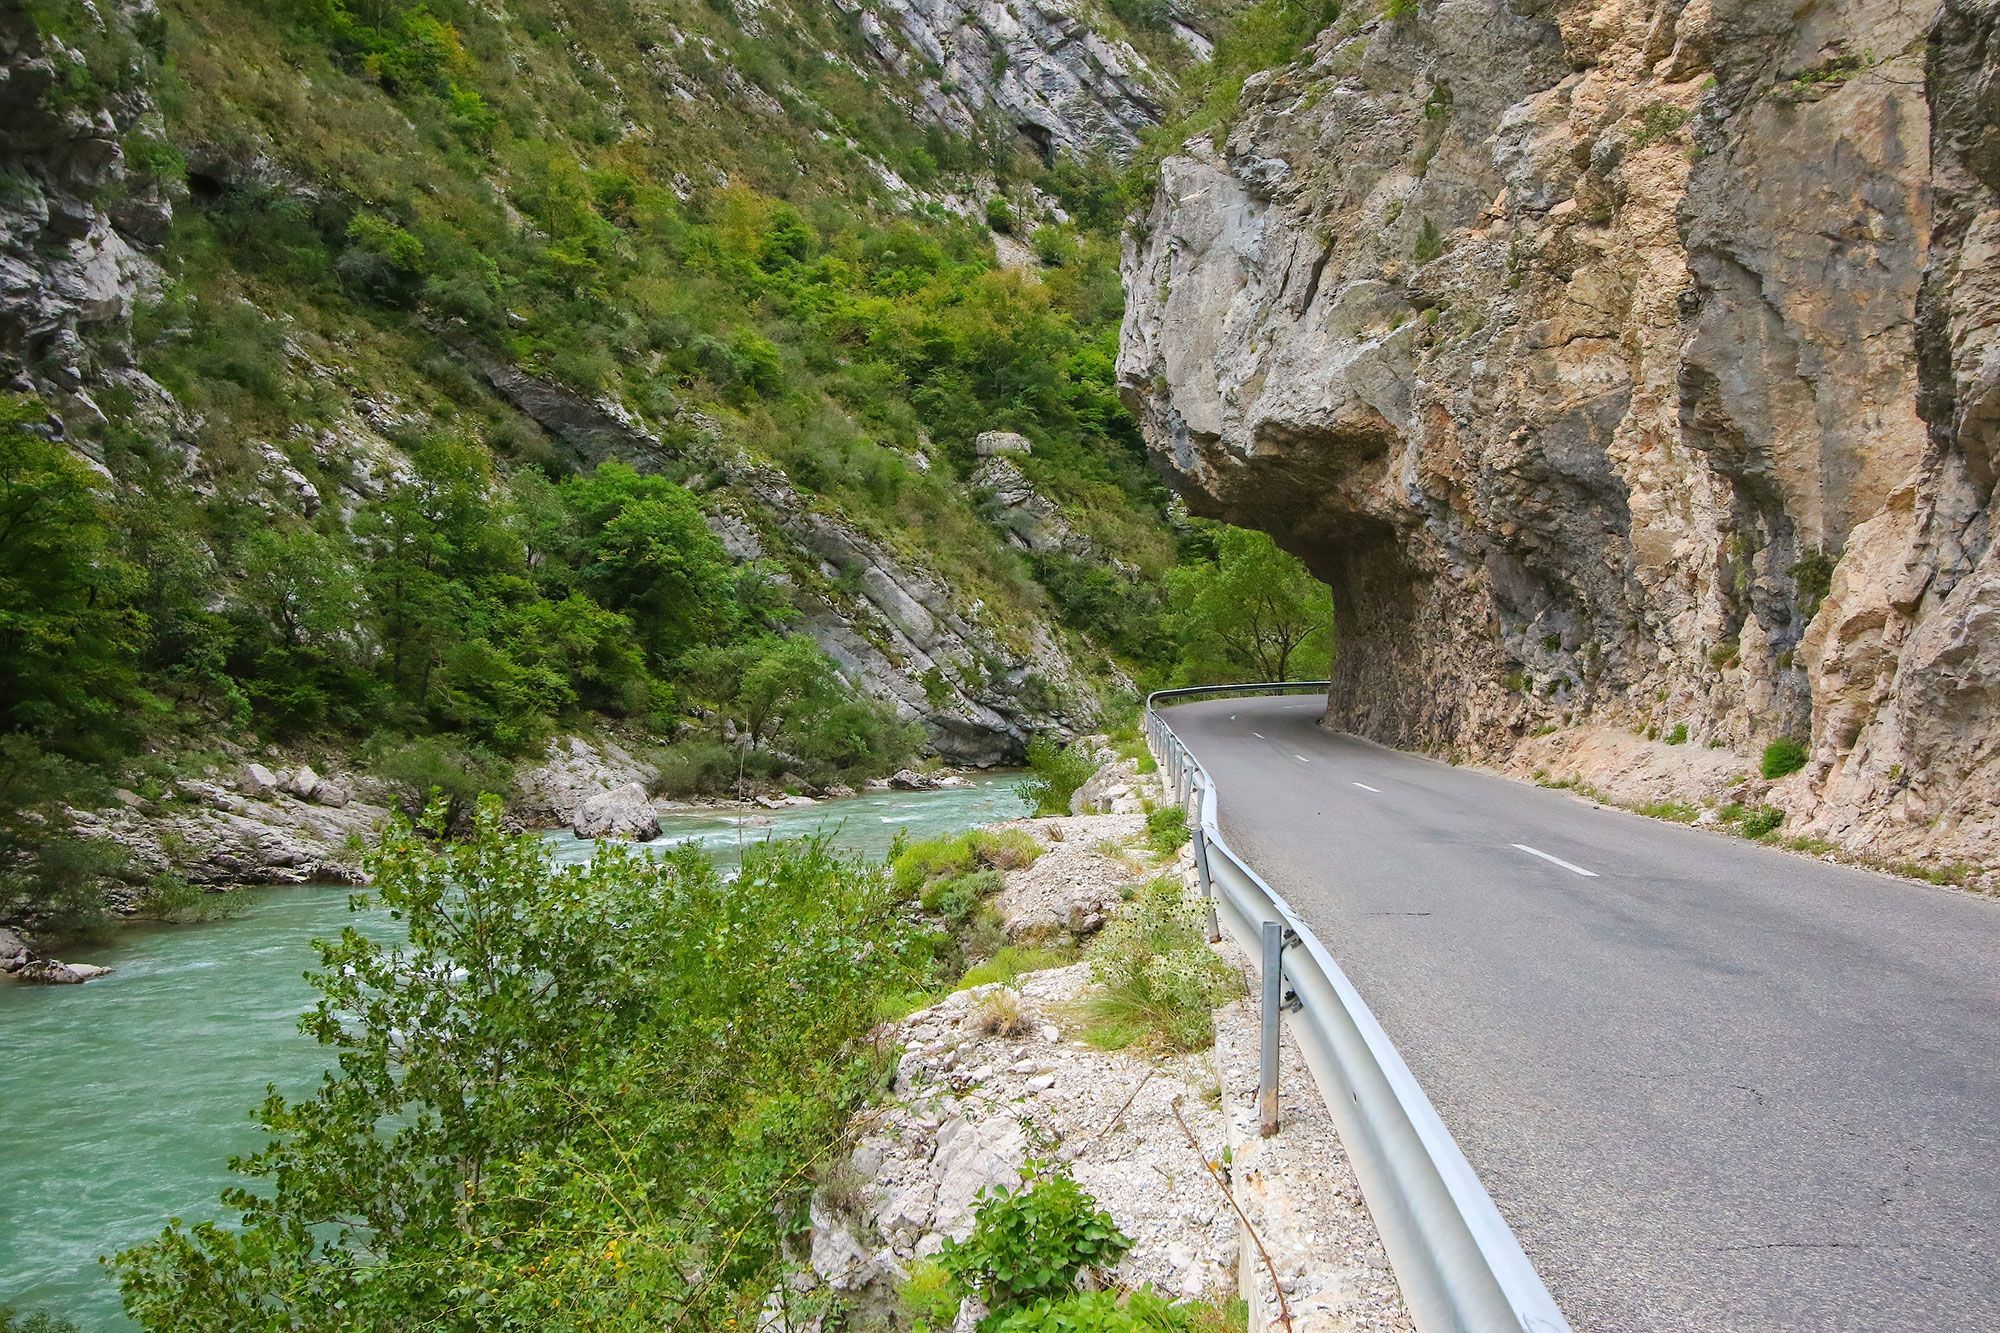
x=242 y=822
x=998 y=1073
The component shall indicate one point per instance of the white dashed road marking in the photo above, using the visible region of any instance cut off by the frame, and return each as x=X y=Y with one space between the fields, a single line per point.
x=1365 y=787
x=1302 y=759
x=1587 y=874
x=1258 y=734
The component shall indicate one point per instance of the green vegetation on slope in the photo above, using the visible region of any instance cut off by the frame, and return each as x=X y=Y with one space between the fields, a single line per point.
x=573 y=1098
x=340 y=534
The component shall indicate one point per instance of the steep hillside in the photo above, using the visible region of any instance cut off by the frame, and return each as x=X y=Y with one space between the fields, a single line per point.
x=402 y=342
x=1624 y=368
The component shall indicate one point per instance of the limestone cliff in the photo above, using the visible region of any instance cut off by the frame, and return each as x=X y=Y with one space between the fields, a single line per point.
x=1619 y=364
x=1037 y=65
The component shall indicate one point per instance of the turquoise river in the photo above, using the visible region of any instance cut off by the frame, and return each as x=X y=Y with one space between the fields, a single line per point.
x=122 y=1100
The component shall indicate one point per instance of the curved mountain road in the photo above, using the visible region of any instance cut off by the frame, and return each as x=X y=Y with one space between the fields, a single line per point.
x=1711 y=1085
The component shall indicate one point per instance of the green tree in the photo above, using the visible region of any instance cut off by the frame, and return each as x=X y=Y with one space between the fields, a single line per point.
x=297 y=609
x=428 y=538
x=570 y=1098
x=647 y=553
x=69 y=636
x=1252 y=612
x=69 y=644
x=789 y=676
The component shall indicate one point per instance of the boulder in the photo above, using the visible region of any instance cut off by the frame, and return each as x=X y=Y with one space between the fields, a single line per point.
x=991 y=443
x=50 y=972
x=1107 y=791
x=256 y=780
x=302 y=782
x=909 y=779
x=13 y=951
x=622 y=812
x=332 y=794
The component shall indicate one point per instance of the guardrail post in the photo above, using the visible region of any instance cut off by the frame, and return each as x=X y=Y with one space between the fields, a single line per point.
x=1207 y=882
x=1274 y=989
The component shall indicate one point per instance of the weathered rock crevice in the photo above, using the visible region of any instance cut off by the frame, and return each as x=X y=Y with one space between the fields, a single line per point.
x=1617 y=368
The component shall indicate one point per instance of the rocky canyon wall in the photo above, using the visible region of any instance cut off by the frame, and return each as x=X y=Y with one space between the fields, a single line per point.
x=1631 y=365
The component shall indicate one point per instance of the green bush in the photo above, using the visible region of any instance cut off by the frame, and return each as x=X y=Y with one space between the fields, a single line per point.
x=433 y=766
x=1037 y=1242
x=918 y=863
x=1055 y=772
x=33 y=1321
x=1167 y=830
x=1154 y=980
x=1785 y=755
x=1761 y=821
x=1678 y=735
x=569 y=1097
x=1141 y=1311
x=957 y=897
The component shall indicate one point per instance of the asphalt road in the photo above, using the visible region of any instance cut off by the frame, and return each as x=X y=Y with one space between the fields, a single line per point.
x=1710 y=1085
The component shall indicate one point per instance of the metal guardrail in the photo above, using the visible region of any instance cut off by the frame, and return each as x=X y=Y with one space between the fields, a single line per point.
x=1458 y=1263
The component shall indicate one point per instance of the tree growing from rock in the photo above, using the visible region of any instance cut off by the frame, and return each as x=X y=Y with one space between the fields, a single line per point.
x=1251 y=613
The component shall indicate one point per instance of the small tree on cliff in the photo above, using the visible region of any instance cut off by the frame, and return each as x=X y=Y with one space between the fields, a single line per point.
x=1253 y=612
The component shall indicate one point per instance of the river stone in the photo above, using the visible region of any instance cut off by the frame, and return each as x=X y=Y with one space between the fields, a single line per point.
x=989 y=443
x=50 y=972
x=622 y=812
x=909 y=779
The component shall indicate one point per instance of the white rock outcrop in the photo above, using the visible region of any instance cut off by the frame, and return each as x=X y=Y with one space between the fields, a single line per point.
x=622 y=812
x=970 y=1104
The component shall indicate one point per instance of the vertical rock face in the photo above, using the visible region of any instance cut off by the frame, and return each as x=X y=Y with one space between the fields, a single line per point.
x=77 y=221
x=1037 y=65
x=1617 y=362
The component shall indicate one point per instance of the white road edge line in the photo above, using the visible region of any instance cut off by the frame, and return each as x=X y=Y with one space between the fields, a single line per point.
x=1302 y=759
x=1566 y=865
x=1365 y=787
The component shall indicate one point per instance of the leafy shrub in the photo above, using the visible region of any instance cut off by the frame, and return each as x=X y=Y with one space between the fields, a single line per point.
x=1785 y=755
x=928 y=1300
x=1033 y=1243
x=33 y=1321
x=561 y=1101
x=1141 y=1311
x=432 y=766
x=1167 y=830
x=694 y=768
x=1812 y=575
x=1154 y=979
x=1055 y=772
x=170 y=897
x=957 y=897
x=1679 y=734
x=1761 y=822
x=918 y=863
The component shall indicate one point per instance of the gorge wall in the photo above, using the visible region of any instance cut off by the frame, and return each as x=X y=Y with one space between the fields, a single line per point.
x=1621 y=365
x=97 y=185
